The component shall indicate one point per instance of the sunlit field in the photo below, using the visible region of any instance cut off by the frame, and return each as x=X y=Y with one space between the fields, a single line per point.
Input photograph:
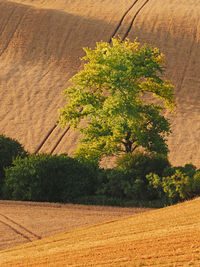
x=164 y=237
x=41 y=45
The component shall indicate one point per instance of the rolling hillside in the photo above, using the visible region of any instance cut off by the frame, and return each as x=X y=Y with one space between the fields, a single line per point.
x=40 y=48
x=164 y=237
x=22 y=221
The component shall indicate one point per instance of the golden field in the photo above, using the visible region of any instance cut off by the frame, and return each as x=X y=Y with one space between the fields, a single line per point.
x=22 y=222
x=164 y=237
x=40 y=48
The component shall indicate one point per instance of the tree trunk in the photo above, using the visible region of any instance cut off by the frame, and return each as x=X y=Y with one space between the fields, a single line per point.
x=128 y=144
x=129 y=148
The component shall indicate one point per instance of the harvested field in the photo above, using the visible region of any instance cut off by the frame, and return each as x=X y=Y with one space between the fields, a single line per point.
x=164 y=237
x=40 y=48
x=22 y=222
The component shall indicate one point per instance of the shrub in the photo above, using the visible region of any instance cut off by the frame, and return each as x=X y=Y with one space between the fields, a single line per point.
x=182 y=183
x=112 y=183
x=9 y=150
x=53 y=178
x=143 y=163
x=195 y=184
x=128 y=179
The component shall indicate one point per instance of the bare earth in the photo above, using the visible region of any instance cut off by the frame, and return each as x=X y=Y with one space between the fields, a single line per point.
x=164 y=237
x=40 y=48
x=22 y=222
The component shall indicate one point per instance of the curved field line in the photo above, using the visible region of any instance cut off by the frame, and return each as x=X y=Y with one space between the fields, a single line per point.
x=131 y=24
x=21 y=226
x=110 y=40
x=121 y=20
x=46 y=137
x=16 y=231
x=59 y=140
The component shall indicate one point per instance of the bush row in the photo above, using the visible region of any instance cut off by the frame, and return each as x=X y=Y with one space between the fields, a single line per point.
x=43 y=177
x=149 y=177
x=137 y=178
x=128 y=180
x=177 y=183
x=52 y=178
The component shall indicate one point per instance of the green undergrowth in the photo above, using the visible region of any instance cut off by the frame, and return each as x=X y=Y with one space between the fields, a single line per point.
x=138 y=180
x=106 y=201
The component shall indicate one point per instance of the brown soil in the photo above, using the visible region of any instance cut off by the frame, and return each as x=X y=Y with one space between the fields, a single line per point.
x=164 y=237
x=40 y=48
x=22 y=222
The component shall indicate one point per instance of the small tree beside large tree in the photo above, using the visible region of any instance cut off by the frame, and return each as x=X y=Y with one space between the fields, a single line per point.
x=114 y=94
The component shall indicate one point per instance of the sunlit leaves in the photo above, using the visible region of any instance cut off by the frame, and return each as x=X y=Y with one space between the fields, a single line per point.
x=109 y=93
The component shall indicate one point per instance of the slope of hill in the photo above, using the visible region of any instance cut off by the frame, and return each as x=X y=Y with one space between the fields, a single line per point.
x=40 y=48
x=22 y=222
x=39 y=52
x=165 y=237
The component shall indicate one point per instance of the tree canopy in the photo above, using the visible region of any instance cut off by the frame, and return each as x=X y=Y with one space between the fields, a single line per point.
x=114 y=94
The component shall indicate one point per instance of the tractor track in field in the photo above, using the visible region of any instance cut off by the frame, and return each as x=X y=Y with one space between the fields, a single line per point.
x=115 y=32
x=121 y=20
x=135 y=16
x=18 y=228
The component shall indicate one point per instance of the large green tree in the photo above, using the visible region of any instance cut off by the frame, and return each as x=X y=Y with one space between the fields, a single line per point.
x=114 y=94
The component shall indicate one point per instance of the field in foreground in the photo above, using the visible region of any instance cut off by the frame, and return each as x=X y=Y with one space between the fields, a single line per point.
x=164 y=237
x=22 y=222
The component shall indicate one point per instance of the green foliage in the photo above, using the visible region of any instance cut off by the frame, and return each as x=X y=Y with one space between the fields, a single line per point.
x=109 y=93
x=182 y=183
x=48 y=178
x=9 y=150
x=128 y=179
x=112 y=183
x=143 y=163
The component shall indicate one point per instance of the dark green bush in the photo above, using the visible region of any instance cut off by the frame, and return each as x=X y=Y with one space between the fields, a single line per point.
x=128 y=180
x=179 y=183
x=112 y=183
x=53 y=178
x=9 y=150
x=143 y=163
